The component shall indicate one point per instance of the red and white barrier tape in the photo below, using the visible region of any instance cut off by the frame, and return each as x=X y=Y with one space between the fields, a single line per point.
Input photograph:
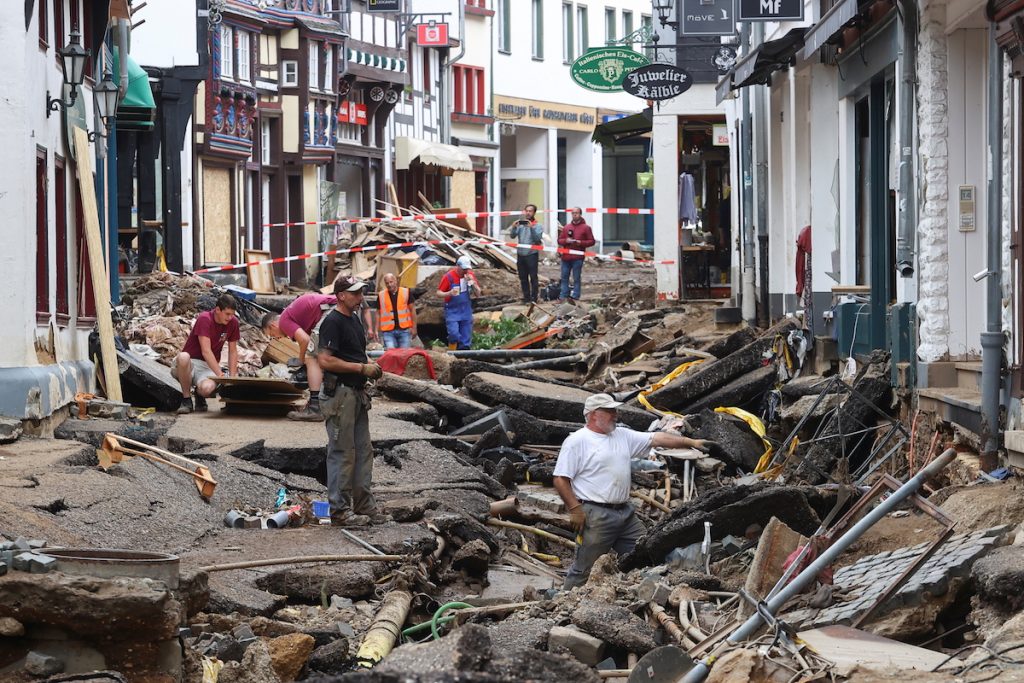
x=450 y=216
x=398 y=245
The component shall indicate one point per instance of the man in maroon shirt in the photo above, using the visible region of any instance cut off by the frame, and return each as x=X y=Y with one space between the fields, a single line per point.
x=199 y=360
x=298 y=321
x=575 y=236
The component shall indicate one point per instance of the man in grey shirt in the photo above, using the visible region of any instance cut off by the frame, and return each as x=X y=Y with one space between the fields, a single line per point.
x=527 y=232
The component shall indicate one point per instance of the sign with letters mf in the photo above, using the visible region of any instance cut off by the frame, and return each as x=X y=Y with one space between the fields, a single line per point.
x=708 y=18
x=771 y=10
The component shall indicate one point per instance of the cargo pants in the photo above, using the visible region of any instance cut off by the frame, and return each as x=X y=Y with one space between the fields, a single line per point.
x=605 y=529
x=349 y=451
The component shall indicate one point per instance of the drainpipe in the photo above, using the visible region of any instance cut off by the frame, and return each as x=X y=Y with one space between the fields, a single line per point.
x=121 y=31
x=761 y=169
x=749 y=307
x=908 y=81
x=992 y=337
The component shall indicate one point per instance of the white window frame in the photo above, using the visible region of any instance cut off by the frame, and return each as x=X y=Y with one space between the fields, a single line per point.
x=227 y=52
x=537 y=17
x=289 y=73
x=610 y=25
x=244 y=58
x=264 y=141
x=504 y=9
x=314 y=65
x=628 y=25
x=582 y=30
x=329 y=69
x=567 y=32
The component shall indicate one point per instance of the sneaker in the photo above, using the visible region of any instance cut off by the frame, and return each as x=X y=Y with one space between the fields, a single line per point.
x=185 y=408
x=349 y=519
x=201 y=405
x=377 y=517
x=307 y=414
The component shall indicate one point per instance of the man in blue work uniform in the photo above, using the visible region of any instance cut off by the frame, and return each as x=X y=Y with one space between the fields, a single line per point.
x=455 y=288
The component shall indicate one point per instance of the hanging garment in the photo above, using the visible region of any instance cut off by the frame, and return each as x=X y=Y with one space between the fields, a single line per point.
x=687 y=199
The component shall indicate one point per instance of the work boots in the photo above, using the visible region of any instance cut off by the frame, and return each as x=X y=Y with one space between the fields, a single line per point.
x=311 y=413
x=349 y=519
x=186 y=406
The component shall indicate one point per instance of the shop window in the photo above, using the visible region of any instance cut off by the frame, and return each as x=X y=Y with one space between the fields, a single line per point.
x=60 y=207
x=42 y=234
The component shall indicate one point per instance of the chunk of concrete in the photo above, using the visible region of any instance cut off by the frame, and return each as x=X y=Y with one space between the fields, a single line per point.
x=39 y=664
x=10 y=430
x=332 y=658
x=999 y=577
x=776 y=543
x=11 y=628
x=289 y=654
x=652 y=590
x=615 y=625
x=583 y=646
x=473 y=557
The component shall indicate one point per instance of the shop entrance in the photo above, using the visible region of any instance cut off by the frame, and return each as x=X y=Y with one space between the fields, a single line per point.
x=704 y=215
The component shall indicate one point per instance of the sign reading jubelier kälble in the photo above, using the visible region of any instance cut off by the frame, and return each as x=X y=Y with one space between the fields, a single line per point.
x=657 y=82
x=771 y=10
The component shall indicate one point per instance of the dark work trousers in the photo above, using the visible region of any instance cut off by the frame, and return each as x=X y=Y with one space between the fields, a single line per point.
x=605 y=529
x=527 y=264
x=349 y=451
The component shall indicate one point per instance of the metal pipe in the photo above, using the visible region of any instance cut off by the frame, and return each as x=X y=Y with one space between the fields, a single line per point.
x=992 y=337
x=500 y=354
x=761 y=174
x=700 y=670
x=907 y=207
x=749 y=307
x=549 y=362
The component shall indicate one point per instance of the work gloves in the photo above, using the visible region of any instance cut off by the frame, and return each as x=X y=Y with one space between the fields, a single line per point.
x=371 y=370
x=577 y=517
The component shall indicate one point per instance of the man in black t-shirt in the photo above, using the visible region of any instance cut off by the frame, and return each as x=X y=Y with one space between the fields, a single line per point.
x=341 y=354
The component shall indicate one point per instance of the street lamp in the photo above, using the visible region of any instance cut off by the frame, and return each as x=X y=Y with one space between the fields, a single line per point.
x=664 y=10
x=72 y=62
x=104 y=103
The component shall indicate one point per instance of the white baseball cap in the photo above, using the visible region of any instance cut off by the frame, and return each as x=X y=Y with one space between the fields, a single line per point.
x=600 y=401
x=465 y=263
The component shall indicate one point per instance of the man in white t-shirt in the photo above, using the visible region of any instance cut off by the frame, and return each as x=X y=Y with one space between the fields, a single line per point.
x=593 y=475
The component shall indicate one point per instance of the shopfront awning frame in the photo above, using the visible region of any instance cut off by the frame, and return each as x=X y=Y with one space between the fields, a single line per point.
x=408 y=150
x=834 y=21
x=613 y=132
x=767 y=58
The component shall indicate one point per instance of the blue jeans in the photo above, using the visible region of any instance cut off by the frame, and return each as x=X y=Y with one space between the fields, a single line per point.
x=397 y=339
x=575 y=268
x=460 y=332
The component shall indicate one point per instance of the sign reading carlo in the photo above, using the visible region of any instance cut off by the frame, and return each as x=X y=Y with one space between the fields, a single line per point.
x=657 y=82
x=602 y=69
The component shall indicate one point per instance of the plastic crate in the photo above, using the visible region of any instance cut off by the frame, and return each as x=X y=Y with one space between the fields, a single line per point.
x=321 y=508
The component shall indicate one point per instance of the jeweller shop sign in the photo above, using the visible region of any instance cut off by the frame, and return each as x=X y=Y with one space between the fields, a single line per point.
x=657 y=82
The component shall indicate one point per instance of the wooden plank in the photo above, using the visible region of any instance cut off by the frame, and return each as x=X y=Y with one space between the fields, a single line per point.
x=97 y=267
x=282 y=350
x=261 y=278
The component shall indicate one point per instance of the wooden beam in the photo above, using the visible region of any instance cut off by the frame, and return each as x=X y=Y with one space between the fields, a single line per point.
x=97 y=267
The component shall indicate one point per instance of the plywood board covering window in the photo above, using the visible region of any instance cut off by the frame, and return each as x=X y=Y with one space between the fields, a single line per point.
x=216 y=214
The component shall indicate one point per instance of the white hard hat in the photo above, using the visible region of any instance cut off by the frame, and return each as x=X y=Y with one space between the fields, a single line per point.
x=465 y=263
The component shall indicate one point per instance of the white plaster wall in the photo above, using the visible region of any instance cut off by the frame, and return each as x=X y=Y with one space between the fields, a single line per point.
x=664 y=145
x=933 y=160
x=781 y=236
x=517 y=74
x=167 y=35
x=821 y=151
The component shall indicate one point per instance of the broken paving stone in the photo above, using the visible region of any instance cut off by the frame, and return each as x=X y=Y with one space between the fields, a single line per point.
x=652 y=590
x=10 y=430
x=474 y=557
x=332 y=658
x=289 y=654
x=615 y=625
x=407 y=510
x=11 y=628
x=520 y=634
x=581 y=645
x=256 y=667
x=39 y=664
x=999 y=577
x=340 y=602
x=346 y=630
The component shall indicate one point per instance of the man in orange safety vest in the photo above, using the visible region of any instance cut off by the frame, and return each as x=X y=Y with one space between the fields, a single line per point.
x=396 y=314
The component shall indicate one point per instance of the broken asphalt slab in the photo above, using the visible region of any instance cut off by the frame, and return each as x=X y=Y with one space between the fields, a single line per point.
x=731 y=510
x=542 y=399
x=454 y=405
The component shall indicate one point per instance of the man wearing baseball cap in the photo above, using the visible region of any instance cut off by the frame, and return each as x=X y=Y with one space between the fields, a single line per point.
x=456 y=288
x=341 y=354
x=593 y=476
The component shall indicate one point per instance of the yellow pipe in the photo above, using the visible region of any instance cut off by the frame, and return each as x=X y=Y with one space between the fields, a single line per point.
x=380 y=639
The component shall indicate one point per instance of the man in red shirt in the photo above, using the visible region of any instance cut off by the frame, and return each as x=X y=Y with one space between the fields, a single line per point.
x=298 y=321
x=199 y=360
x=575 y=235
x=456 y=289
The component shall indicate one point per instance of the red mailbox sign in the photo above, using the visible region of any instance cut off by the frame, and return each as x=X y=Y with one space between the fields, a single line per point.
x=432 y=35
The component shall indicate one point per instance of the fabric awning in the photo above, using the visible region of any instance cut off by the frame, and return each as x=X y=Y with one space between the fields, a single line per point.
x=767 y=58
x=832 y=23
x=723 y=88
x=409 y=149
x=138 y=108
x=608 y=134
